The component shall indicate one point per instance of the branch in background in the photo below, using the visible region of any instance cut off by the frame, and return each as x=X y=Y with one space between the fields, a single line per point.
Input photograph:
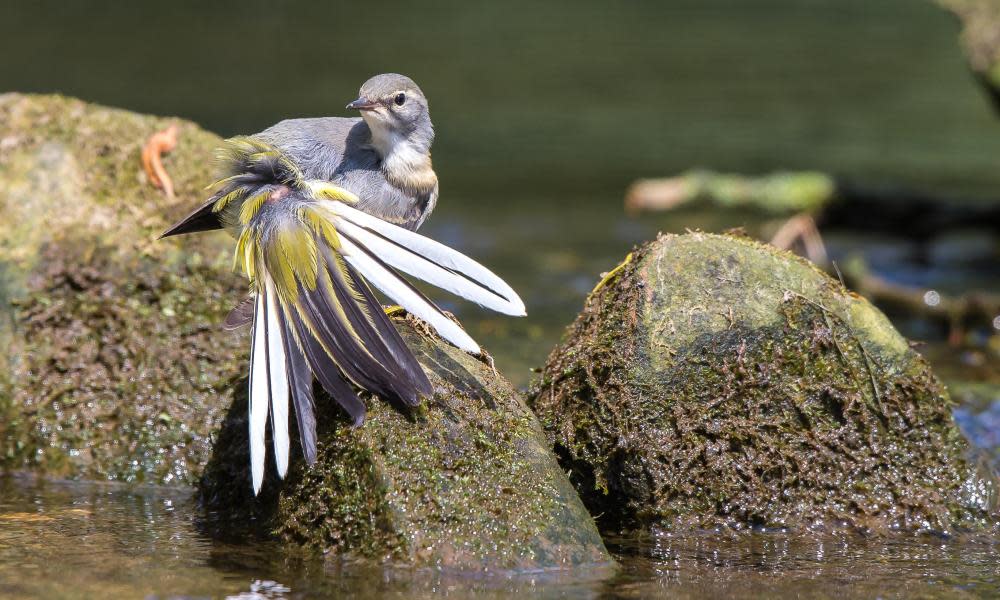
x=802 y=227
x=778 y=193
x=832 y=201
x=955 y=311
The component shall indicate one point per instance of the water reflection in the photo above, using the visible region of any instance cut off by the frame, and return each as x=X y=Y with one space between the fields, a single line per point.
x=71 y=540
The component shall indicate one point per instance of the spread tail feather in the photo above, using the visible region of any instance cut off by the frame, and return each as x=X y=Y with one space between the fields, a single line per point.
x=260 y=394
x=270 y=382
x=426 y=259
x=404 y=294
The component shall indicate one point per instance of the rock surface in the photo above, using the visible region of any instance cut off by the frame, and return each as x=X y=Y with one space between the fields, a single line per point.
x=715 y=381
x=114 y=361
x=466 y=482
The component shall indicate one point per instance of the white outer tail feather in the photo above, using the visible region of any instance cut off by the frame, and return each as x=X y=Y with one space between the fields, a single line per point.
x=401 y=293
x=419 y=267
x=269 y=390
x=422 y=252
x=279 y=381
x=259 y=395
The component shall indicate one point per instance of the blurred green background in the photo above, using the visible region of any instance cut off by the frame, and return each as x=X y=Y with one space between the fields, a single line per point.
x=546 y=111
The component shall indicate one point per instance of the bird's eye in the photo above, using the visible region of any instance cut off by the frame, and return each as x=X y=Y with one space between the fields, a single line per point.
x=399 y=99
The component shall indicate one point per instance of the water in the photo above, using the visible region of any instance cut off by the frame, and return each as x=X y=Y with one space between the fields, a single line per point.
x=76 y=540
x=544 y=114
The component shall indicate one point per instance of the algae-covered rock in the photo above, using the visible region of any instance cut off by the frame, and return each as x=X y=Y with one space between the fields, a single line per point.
x=112 y=360
x=466 y=481
x=716 y=381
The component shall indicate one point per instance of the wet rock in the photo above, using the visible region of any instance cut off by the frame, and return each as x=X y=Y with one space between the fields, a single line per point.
x=113 y=360
x=467 y=481
x=715 y=381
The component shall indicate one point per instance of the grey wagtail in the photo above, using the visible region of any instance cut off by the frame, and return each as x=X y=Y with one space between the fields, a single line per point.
x=321 y=208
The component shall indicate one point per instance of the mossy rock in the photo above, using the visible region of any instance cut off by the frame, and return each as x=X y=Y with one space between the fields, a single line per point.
x=714 y=381
x=114 y=361
x=465 y=482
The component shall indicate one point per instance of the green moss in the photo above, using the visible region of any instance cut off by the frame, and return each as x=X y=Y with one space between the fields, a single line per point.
x=718 y=381
x=114 y=357
x=466 y=481
x=119 y=370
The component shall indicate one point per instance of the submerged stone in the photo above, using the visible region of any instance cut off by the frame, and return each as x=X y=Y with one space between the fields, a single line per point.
x=716 y=381
x=113 y=361
x=467 y=481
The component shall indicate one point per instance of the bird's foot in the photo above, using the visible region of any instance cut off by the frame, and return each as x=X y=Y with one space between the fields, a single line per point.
x=394 y=310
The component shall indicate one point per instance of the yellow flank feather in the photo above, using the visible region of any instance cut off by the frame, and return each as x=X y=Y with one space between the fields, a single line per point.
x=251 y=205
x=233 y=196
x=292 y=258
x=328 y=191
x=246 y=249
x=321 y=225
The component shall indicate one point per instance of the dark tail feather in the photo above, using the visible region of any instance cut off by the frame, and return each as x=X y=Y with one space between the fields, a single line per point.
x=204 y=218
x=345 y=330
x=300 y=381
x=401 y=353
x=328 y=374
x=241 y=315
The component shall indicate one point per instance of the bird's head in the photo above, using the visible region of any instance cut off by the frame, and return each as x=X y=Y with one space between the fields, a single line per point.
x=396 y=112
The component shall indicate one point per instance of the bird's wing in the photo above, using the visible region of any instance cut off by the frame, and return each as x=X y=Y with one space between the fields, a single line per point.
x=249 y=167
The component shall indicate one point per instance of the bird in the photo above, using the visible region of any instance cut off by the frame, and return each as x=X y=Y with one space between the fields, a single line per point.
x=324 y=209
x=383 y=156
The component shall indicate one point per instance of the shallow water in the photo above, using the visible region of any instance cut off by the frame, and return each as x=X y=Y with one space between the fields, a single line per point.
x=544 y=114
x=73 y=540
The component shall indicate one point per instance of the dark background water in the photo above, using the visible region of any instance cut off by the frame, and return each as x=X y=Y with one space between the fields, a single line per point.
x=544 y=114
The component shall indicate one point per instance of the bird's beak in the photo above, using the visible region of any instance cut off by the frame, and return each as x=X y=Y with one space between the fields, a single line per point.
x=362 y=103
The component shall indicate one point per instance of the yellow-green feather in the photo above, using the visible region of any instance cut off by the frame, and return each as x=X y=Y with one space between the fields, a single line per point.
x=233 y=196
x=251 y=205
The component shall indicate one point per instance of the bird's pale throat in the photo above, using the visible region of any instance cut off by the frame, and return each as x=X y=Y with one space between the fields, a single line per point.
x=409 y=169
x=406 y=164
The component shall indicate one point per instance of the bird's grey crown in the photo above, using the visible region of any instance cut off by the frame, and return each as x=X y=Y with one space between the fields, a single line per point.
x=389 y=83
